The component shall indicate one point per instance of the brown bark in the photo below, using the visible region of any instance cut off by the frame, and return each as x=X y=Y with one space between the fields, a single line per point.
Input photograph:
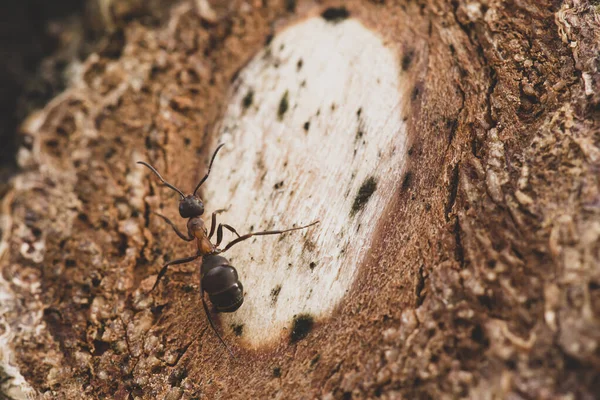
x=483 y=275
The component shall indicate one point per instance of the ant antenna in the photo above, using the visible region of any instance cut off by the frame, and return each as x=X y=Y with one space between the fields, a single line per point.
x=161 y=178
x=209 y=167
x=207 y=312
x=264 y=233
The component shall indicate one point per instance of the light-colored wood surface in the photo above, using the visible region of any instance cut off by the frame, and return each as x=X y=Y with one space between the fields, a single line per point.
x=325 y=120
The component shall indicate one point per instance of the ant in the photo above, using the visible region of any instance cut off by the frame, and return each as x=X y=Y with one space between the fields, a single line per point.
x=218 y=277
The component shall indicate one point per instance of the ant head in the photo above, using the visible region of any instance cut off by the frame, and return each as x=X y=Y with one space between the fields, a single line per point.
x=191 y=206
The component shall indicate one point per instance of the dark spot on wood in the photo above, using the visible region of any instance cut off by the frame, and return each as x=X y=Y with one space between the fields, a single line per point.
x=407 y=59
x=157 y=369
x=359 y=133
x=283 y=105
x=177 y=376
x=307 y=126
x=299 y=64
x=407 y=181
x=411 y=151
x=364 y=193
x=478 y=335
x=52 y=143
x=114 y=48
x=303 y=83
x=302 y=325
x=100 y=347
x=318 y=112
x=459 y=253
x=278 y=185
x=268 y=39
x=83 y=217
x=315 y=360
x=358 y=112
x=109 y=153
x=452 y=192
x=275 y=294
x=475 y=147
x=420 y=286
x=333 y=106
x=290 y=5
x=248 y=99
x=122 y=247
x=415 y=93
x=277 y=372
x=335 y=15
x=237 y=329
x=312 y=265
x=451 y=125
x=187 y=141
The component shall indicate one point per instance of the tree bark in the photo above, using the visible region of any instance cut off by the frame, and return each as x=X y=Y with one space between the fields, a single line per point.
x=450 y=151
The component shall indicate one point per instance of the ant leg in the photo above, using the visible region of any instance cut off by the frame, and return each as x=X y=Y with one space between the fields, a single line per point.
x=249 y=235
x=213 y=223
x=210 y=320
x=220 y=232
x=181 y=235
x=173 y=262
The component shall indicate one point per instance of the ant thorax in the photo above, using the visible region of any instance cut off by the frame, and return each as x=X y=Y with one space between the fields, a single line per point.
x=197 y=229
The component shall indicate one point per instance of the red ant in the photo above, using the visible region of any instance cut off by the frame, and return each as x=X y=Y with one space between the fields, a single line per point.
x=217 y=277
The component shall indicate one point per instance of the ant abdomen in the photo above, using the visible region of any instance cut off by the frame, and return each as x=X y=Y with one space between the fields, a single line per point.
x=220 y=280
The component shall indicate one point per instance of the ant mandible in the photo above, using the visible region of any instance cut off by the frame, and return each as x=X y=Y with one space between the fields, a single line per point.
x=217 y=276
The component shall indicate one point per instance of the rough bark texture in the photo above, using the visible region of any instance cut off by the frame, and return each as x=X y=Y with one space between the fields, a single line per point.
x=483 y=280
